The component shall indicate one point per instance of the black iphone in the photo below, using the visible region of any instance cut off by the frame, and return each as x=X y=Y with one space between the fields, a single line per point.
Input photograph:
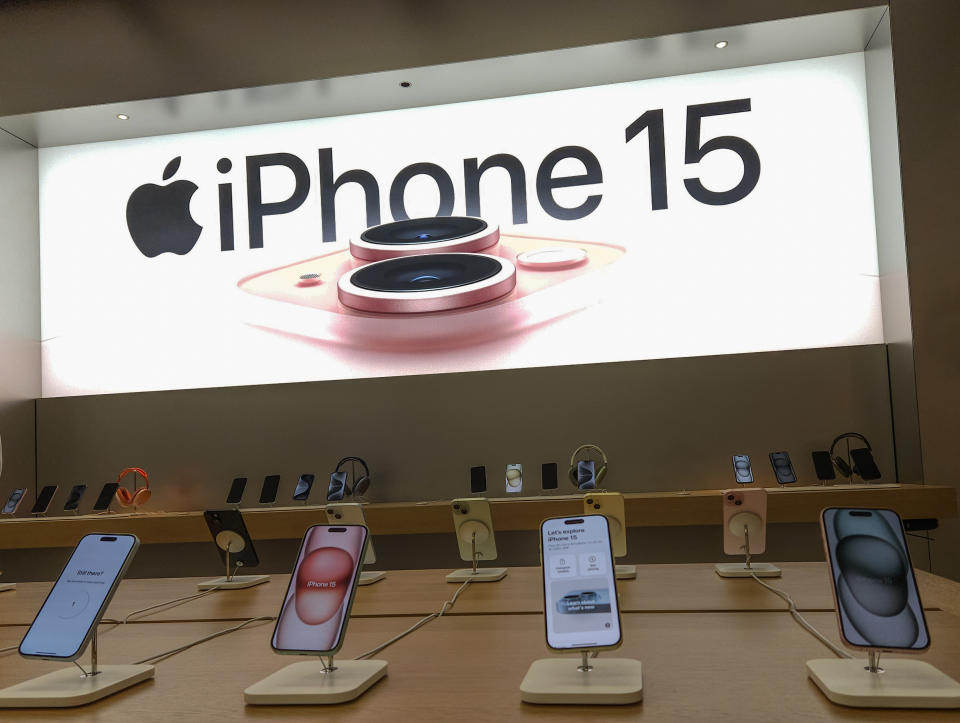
x=478 y=479
x=43 y=500
x=229 y=531
x=863 y=464
x=73 y=499
x=823 y=465
x=268 y=493
x=548 y=475
x=302 y=491
x=742 y=469
x=236 y=491
x=783 y=468
x=106 y=497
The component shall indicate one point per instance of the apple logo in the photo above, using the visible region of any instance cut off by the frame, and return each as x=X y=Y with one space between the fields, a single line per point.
x=158 y=217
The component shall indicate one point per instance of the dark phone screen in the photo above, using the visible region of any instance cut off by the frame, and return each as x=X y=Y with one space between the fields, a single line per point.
x=823 y=465
x=43 y=499
x=73 y=499
x=106 y=496
x=236 y=491
x=302 y=491
x=783 y=468
x=873 y=581
x=863 y=461
x=268 y=494
x=478 y=479
x=548 y=475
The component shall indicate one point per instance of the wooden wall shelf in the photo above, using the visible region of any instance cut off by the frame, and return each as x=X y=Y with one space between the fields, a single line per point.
x=643 y=509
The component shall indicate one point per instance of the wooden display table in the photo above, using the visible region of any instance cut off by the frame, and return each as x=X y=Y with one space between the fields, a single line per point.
x=643 y=509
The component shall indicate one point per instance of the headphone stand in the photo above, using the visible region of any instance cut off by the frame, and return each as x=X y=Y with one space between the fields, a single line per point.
x=65 y=688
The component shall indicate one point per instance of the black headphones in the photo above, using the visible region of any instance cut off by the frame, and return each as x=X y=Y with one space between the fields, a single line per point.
x=845 y=469
x=572 y=472
x=360 y=486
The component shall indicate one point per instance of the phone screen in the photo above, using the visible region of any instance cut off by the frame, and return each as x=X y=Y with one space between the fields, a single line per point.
x=586 y=475
x=302 y=491
x=73 y=499
x=338 y=487
x=873 y=582
x=79 y=597
x=236 y=491
x=580 y=596
x=13 y=501
x=864 y=464
x=742 y=469
x=317 y=603
x=268 y=493
x=43 y=499
x=106 y=496
x=514 y=478
x=478 y=479
x=783 y=468
x=823 y=465
x=548 y=475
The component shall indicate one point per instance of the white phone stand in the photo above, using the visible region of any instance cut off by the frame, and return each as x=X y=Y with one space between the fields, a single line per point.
x=602 y=681
x=746 y=568
x=4 y=586
x=478 y=532
x=228 y=540
x=316 y=682
x=68 y=687
x=900 y=683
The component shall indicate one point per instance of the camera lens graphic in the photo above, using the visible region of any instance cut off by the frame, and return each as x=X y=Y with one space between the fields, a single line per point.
x=426 y=282
x=441 y=234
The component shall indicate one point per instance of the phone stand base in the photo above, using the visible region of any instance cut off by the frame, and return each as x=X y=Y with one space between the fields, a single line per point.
x=902 y=684
x=68 y=687
x=308 y=684
x=740 y=569
x=483 y=574
x=7 y=586
x=625 y=572
x=558 y=681
x=237 y=582
x=368 y=577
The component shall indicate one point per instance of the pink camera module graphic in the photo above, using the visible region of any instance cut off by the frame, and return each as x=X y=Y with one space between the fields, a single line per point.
x=431 y=283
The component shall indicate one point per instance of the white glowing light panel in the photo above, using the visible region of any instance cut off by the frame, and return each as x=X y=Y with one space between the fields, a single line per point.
x=720 y=212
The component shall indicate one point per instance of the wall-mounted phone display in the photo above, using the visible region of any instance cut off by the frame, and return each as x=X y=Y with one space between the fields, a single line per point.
x=236 y=491
x=478 y=480
x=783 y=468
x=514 y=479
x=316 y=606
x=43 y=500
x=73 y=499
x=302 y=491
x=14 y=500
x=69 y=615
x=268 y=493
x=742 y=470
x=579 y=592
x=105 y=497
x=878 y=605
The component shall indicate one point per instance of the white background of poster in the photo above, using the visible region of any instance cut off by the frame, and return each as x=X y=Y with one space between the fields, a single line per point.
x=793 y=265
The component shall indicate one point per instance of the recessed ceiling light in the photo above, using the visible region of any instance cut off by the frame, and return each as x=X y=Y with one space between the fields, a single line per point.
x=122 y=116
x=720 y=44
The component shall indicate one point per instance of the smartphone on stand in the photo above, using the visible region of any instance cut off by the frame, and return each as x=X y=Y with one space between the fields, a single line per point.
x=783 y=468
x=582 y=612
x=752 y=500
x=514 y=479
x=823 y=466
x=268 y=493
x=236 y=490
x=44 y=499
x=302 y=491
x=316 y=607
x=228 y=530
x=105 y=497
x=878 y=604
x=478 y=480
x=864 y=464
x=73 y=499
x=14 y=500
x=474 y=510
x=742 y=469
x=69 y=616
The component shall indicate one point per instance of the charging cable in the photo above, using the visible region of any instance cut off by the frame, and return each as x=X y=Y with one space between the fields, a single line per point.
x=159 y=657
x=419 y=624
x=802 y=621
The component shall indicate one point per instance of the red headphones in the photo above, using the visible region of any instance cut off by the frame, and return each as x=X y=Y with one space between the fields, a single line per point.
x=140 y=495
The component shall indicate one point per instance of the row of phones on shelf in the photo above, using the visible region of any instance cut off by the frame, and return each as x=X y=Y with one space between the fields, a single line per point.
x=862 y=464
x=513 y=478
x=577 y=561
x=45 y=498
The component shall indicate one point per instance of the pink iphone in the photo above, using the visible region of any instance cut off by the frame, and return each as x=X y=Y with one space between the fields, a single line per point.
x=744 y=507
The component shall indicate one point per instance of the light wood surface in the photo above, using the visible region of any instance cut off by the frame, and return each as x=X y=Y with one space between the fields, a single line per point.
x=658 y=588
x=711 y=666
x=643 y=509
